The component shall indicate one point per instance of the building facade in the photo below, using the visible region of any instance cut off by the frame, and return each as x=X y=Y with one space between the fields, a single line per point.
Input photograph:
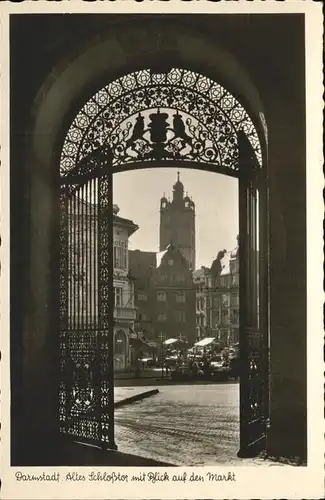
x=164 y=295
x=201 y=279
x=234 y=295
x=142 y=266
x=124 y=309
x=177 y=223
x=174 y=302
x=223 y=297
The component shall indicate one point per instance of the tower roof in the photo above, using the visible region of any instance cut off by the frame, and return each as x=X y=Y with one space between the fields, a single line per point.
x=178 y=184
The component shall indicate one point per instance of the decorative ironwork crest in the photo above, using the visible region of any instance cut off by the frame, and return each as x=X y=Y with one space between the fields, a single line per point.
x=148 y=117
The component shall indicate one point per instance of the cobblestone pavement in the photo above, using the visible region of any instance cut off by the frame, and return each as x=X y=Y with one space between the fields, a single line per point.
x=189 y=425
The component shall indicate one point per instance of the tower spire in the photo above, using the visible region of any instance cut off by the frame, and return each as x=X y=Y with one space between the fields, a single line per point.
x=178 y=175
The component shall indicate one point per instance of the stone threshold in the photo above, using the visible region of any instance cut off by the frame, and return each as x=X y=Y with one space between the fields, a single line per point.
x=135 y=398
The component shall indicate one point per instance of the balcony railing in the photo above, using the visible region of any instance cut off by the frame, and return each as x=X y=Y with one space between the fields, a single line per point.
x=124 y=313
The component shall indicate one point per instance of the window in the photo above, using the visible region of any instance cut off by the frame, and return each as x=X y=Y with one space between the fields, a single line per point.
x=170 y=262
x=235 y=317
x=161 y=316
x=142 y=296
x=163 y=276
x=225 y=301
x=161 y=296
x=235 y=280
x=180 y=296
x=118 y=292
x=120 y=258
x=143 y=316
x=180 y=277
x=234 y=300
x=180 y=316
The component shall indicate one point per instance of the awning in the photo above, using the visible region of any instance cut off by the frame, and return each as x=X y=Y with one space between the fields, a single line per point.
x=171 y=341
x=205 y=342
x=175 y=341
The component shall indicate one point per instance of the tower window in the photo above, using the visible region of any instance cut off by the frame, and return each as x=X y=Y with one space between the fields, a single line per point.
x=187 y=204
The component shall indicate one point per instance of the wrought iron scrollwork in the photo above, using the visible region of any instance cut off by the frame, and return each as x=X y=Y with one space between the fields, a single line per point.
x=147 y=117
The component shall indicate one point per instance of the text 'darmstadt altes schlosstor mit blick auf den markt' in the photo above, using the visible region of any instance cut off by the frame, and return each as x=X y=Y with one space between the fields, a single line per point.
x=113 y=477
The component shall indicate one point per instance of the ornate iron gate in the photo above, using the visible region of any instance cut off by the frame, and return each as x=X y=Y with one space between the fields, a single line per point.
x=86 y=403
x=176 y=118
x=253 y=261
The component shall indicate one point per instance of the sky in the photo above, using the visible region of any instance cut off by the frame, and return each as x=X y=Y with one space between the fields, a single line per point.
x=138 y=193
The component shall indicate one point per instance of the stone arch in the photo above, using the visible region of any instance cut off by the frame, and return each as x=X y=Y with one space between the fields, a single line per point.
x=71 y=82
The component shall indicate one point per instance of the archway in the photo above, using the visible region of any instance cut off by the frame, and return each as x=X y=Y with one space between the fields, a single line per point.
x=240 y=53
x=149 y=118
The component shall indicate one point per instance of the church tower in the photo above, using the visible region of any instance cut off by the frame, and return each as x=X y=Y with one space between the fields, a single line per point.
x=177 y=223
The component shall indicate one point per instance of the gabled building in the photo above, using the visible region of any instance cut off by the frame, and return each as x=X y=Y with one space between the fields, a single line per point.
x=174 y=304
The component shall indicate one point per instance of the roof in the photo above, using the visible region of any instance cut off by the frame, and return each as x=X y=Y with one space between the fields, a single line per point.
x=159 y=257
x=125 y=224
x=141 y=263
x=234 y=253
x=199 y=274
x=225 y=261
x=225 y=264
x=175 y=252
